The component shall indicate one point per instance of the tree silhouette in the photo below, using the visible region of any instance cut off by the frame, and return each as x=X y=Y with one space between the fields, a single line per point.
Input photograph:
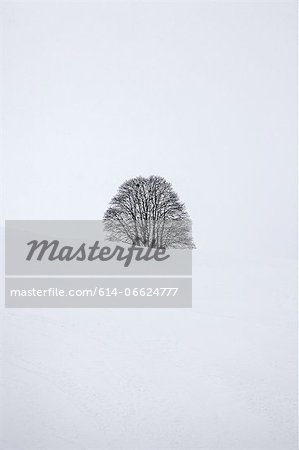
x=147 y=212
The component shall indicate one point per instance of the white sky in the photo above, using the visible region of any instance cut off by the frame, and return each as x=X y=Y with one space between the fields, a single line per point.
x=203 y=94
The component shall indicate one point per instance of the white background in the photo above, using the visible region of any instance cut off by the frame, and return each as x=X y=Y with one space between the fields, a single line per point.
x=204 y=94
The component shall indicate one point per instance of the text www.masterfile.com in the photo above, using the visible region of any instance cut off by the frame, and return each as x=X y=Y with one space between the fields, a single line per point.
x=96 y=291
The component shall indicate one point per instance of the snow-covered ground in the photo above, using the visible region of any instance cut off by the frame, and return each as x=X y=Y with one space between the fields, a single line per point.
x=203 y=93
x=221 y=375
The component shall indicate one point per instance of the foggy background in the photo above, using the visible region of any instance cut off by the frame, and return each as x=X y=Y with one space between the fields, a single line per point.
x=205 y=95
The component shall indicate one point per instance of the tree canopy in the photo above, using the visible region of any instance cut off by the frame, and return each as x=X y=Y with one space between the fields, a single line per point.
x=147 y=212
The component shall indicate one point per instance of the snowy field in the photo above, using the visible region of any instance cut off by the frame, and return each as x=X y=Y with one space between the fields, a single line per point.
x=218 y=376
x=203 y=93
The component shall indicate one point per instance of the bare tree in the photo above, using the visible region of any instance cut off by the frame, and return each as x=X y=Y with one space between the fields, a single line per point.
x=147 y=212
